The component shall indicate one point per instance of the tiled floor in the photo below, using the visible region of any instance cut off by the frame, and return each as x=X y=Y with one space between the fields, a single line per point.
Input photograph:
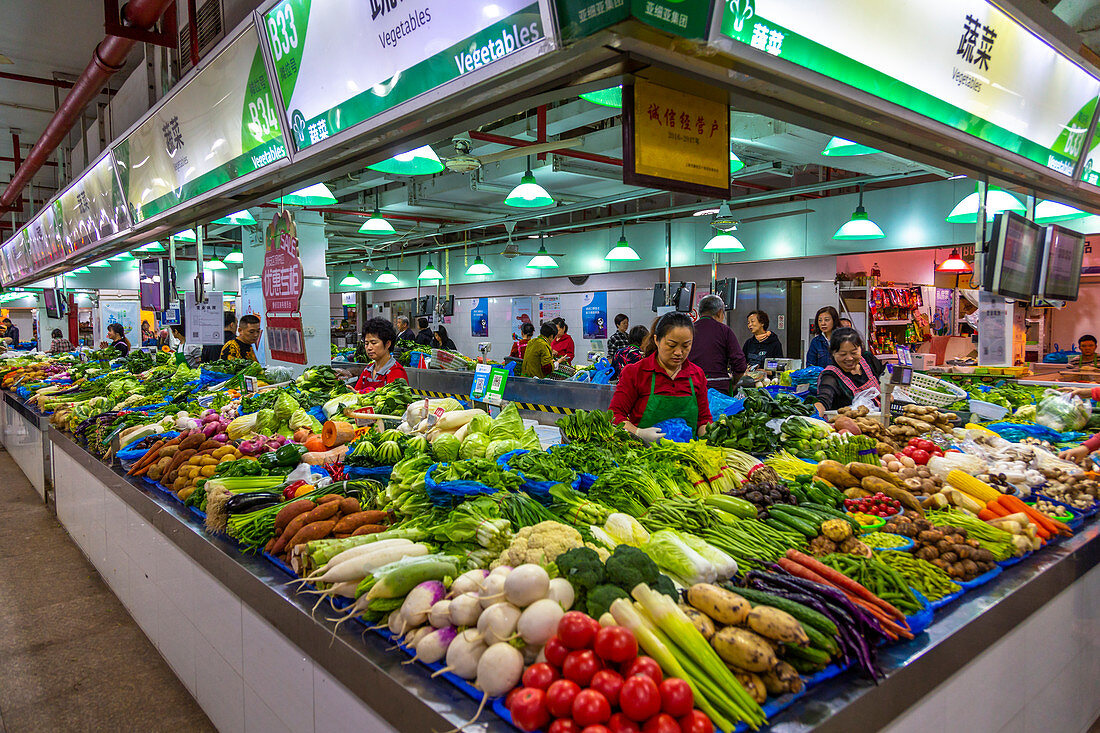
x=71 y=658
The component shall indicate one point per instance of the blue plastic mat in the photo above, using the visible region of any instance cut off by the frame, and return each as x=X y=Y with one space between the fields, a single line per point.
x=922 y=619
x=1013 y=561
x=377 y=473
x=981 y=579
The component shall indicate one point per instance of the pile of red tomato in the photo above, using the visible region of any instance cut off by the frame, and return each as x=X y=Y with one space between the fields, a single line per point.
x=877 y=505
x=593 y=681
x=921 y=450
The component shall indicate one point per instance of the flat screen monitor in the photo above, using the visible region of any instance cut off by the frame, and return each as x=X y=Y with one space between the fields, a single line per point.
x=1013 y=256
x=1060 y=273
x=660 y=296
x=448 y=306
x=154 y=282
x=727 y=291
x=684 y=299
x=425 y=305
x=54 y=308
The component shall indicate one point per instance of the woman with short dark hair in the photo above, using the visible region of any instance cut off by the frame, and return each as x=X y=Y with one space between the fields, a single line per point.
x=762 y=344
x=853 y=371
x=379 y=337
x=827 y=320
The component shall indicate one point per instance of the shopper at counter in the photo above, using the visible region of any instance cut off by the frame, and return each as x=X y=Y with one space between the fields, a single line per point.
x=213 y=352
x=117 y=338
x=619 y=339
x=762 y=344
x=715 y=349
x=538 y=358
x=664 y=385
x=60 y=344
x=562 y=343
x=443 y=341
x=424 y=336
x=1088 y=357
x=240 y=346
x=11 y=333
x=405 y=332
x=632 y=353
x=526 y=332
x=379 y=337
x=827 y=319
x=148 y=338
x=853 y=371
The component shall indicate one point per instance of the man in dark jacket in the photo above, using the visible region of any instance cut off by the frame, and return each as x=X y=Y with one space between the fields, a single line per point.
x=404 y=331
x=715 y=349
x=424 y=336
x=213 y=352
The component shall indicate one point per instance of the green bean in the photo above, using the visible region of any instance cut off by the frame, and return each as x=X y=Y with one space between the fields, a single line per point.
x=929 y=580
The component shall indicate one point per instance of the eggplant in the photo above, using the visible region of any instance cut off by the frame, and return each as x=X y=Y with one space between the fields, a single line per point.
x=251 y=501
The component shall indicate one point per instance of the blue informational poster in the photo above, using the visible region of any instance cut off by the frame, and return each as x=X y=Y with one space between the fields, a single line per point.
x=479 y=318
x=594 y=315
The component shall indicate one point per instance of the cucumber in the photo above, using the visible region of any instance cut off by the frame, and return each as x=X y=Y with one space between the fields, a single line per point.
x=820 y=641
x=811 y=655
x=803 y=667
x=802 y=512
x=817 y=495
x=807 y=616
x=796 y=523
x=732 y=504
x=835 y=514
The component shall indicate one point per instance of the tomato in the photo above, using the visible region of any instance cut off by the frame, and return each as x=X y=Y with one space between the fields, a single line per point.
x=677 y=699
x=925 y=444
x=555 y=652
x=608 y=684
x=646 y=666
x=615 y=644
x=696 y=722
x=590 y=708
x=640 y=699
x=577 y=630
x=511 y=697
x=920 y=457
x=937 y=452
x=564 y=725
x=540 y=675
x=529 y=709
x=908 y=451
x=559 y=697
x=662 y=723
x=596 y=729
x=619 y=723
x=580 y=666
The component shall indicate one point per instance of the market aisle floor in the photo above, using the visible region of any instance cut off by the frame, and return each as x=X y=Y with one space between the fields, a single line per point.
x=71 y=658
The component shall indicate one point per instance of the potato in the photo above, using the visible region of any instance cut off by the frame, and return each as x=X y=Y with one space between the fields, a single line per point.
x=896 y=467
x=777 y=625
x=781 y=679
x=753 y=685
x=743 y=648
x=699 y=620
x=908 y=462
x=718 y=603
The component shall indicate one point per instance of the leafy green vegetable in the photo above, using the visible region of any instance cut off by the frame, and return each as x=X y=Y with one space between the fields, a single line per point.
x=285 y=405
x=480 y=424
x=474 y=446
x=508 y=424
x=446 y=448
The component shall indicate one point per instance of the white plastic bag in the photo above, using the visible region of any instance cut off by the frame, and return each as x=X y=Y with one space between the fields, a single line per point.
x=868 y=398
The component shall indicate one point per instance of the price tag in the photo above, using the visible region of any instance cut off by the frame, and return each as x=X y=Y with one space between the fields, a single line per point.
x=498 y=379
x=481 y=382
x=905 y=356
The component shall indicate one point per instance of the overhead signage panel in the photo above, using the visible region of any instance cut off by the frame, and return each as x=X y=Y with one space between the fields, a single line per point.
x=964 y=63
x=341 y=62
x=92 y=208
x=220 y=126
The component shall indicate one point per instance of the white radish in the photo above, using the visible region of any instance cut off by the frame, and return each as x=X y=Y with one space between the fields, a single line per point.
x=493 y=590
x=360 y=566
x=498 y=671
x=498 y=622
x=413 y=637
x=396 y=622
x=420 y=600
x=526 y=584
x=561 y=590
x=440 y=614
x=463 y=655
x=501 y=570
x=465 y=609
x=358 y=550
x=469 y=582
x=539 y=622
x=431 y=647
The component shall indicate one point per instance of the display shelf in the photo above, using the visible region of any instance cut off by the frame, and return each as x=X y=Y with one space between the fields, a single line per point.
x=892 y=323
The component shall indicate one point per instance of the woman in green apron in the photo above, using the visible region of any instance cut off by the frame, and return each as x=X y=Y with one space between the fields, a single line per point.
x=664 y=384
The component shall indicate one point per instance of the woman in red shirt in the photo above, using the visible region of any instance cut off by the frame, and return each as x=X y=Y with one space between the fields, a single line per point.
x=378 y=339
x=663 y=385
x=562 y=345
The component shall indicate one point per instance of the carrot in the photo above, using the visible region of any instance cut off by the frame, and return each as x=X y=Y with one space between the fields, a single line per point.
x=995 y=507
x=842 y=581
x=800 y=571
x=1040 y=529
x=144 y=458
x=1051 y=525
x=986 y=514
x=888 y=625
x=310 y=532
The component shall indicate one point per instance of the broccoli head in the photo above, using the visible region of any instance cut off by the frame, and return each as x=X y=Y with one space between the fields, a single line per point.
x=628 y=566
x=600 y=598
x=581 y=566
x=665 y=585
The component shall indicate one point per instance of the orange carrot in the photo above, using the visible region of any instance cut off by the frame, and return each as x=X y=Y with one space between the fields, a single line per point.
x=1051 y=525
x=892 y=629
x=842 y=581
x=988 y=513
x=1040 y=529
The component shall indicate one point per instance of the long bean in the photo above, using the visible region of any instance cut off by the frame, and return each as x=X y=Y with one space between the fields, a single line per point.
x=878 y=577
x=929 y=580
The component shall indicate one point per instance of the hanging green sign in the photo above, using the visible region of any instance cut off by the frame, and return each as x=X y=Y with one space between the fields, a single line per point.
x=687 y=18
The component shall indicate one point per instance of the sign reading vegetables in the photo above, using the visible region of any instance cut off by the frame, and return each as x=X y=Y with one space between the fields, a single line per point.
x=283 y=280
x=965 y=63
x=341 y=62
x=220 y=126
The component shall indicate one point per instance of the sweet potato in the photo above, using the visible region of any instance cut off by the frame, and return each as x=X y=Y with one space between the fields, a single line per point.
x=369 y=529
x=310 y=532
x=291 y=529
x=349 y=505
x=352 y=522
x=743 y=648
x=718 y=603
x=323 y=511
x=288 y=512
x=329 y=497
x=191 y=442
x=836 y=474
x=180 y=458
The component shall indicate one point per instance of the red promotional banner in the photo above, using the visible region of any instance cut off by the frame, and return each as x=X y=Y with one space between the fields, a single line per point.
x=283 y=280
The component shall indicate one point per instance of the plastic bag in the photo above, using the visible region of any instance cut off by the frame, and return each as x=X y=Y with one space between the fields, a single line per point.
x=676 y=429
x=1062 y=411
x=868 y=398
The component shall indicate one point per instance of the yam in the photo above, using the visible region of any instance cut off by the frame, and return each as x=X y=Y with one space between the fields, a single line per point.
x=778 y=625
x=352 y=522
x=310 y=532
x=291 y=529
x=836 y=474
x=874 y=484
x=191 y=442
x=781 y=679
x=720 y=604
x=329 y=497
x=753 y=684
x=700 y=621
x=288 y=512
x=844 y=423
x=856 y=493
x=863 y=470
x=323 y=511
x=369 y=529
x=743 y=648
x=349 y=505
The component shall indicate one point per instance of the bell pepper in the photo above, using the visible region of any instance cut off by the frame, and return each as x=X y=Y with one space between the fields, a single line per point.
x=290 y=454
x=267 y=461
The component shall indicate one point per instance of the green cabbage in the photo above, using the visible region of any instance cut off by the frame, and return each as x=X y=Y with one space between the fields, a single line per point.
x=508 y=424
x=474 y=446
x=445 y=448
x=674 y=557
x=285 y=405
x=497 y=448
x=530 y=440
x=300 y=419
x=265 y=421
x=480 y=424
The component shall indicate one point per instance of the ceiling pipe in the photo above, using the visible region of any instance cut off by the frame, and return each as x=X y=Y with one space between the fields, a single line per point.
x=515 y=142
x=367 y=214
x=108 y=58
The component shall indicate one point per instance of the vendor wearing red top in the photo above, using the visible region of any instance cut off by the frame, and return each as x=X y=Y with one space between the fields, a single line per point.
x=663 y=385
x=1093 y=443
x=378 y=338
x=527 y=332
x=562 y=345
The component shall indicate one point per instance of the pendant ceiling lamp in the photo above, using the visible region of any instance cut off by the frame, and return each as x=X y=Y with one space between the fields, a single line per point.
x=622 y=251
x=376 y=225
x=612 y=97
x=216 y=264
x=151 y=247
x=479 y=267
x=839 y=147
x=860 y=225
x=187 y=235
x=315 y=195
x=1049 y=212
x=419 y=162
x=430 y=273
x=350 y=280
x=529 y=194
x=542 y=259
x=237 y=218
x=101 y=263
x=997 y=200
x=82 y=270
x=954 y=265
x=724 y=242
x=735 y=163
x=121 y=257
x=386 y=278
x=235 y=257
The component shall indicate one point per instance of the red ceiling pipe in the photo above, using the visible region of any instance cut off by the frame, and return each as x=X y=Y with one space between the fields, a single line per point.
x=60 y=83
x=109 y=57
x=515 y=142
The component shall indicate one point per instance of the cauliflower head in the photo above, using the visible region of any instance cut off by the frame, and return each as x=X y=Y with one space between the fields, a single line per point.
x=541 y=544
